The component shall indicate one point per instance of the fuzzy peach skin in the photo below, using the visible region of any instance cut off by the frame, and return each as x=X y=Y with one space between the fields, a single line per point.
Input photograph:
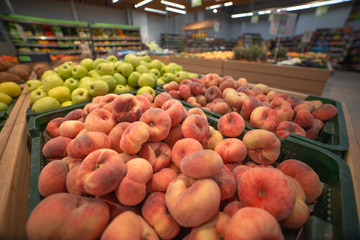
x=200 y=99
x=212 y=93
x=185 y=91
x=248 y=106
x=129 y=225
x=115 y=135
x=71 y=184
x=71 y=128
x=196 y=127
x=89 y=108
x=300 y=213
x=161 y=98
x=263 y=146
x=212 y=230
x=86 y=143
x=175 y=110
x=271 y=95
x=159 y=123
x=52 y=128
x=285 y=128
x=232 y=207
x=197 y=89
x=157 y=153
x=227 y=83
x=211 y=79
x=52 y=178
x=100 y=120
x=253 y=223
x=107 y=100
x=286 y=97
x=308 y=105
x=279 y=101
x=56 y=147
x=220 y=106
x=285 y=113
x=183 y=148
x=246 y=90
x=231 y=124
x=314 y=130
x=305 y=175
x=231 y=150
x=126 y=108
x=325 y=112
x=101 y=172
x=155 y=212
x=201 y=164
x=186 y=196
x=212 y=140
x=238 y=172
x=71 y=161
x=304 y=118
x=171 y=86
x=76 y=114
x=226 y=182
x=264 y=118
x=144 y=101
x=134 y=136
x=242 y=82
x=160 y=180
x=175 y=94
x=174 y=135
x=197 y=111
x=269 y=189
x=132 y=189
x=234 y=98
x=67 y=216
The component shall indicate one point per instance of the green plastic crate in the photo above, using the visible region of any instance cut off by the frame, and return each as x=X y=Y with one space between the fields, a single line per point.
x=334 y=215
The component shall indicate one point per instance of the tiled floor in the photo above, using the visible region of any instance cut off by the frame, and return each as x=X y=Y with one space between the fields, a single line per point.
x=345 y=86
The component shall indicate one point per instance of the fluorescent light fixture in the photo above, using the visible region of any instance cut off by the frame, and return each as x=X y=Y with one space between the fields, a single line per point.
x=173 y=4
x=263 y=12
x=215 y=10
x=227 y=4
x=175 y=10
x=154 y=10
x=240 y=15
x=142 y=3
x=213 y=6
x=115 y=1
x=312 y=5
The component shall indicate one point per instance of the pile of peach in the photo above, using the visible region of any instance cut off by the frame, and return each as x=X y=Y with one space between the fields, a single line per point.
x=144 y=167
x=261 y=107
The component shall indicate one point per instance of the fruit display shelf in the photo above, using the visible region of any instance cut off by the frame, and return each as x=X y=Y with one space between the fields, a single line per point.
x=5 y=114
x=332 y=216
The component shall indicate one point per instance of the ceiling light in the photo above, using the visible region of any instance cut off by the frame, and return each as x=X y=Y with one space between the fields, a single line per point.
x=228 y=4
x=312 y=5
x=215 y=10
x=239 y=15
x=213 y=6
x=115 y=1
x=263 y=12
x=173 y=4
x=175 y=10
x=154 y=10
x=142 y=3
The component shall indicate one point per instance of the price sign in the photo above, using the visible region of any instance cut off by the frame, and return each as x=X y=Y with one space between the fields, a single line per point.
x=283 y=23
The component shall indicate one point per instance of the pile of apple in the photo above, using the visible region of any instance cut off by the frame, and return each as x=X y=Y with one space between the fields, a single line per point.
x=72 y=83
x=139 y=167
x=259 y=106
x=8 y=91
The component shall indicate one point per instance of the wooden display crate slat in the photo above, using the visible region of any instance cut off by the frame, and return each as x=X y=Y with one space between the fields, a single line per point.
x=200 y=66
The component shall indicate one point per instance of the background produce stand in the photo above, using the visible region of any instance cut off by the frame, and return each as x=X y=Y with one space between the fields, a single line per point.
x=15 y=167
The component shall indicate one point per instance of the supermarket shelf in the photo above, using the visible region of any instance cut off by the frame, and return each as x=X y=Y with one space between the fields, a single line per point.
x=46 y=45
x=51 y=38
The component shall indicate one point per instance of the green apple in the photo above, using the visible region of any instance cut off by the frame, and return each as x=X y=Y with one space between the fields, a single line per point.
x=133 y=79
x=4 y=98
x=80 y=95
x=193 y=75
x=88 y=63
x=71 y=84
x=168 y=69
x=93 y=73
x=85 y=82
x=46 y=73
x=131 y=88
x=111 y=58
x=147 y=79
x=141 y=69
x=181 y=75
x=56 y=70
x=79 y=71
x=160 y=81
x=3 y=107
x=120 y=80
x=132 y=59
x=147 y=64
x=98 y=88
x=98 y=61
x=67 y=103
x=105 y=69
x=69 y=63
x=31 y=85
x=110 y=80
x=146 y=58
x=52 y=81
x=61 y=93
x=125 y=69
x=168 y=77
x=65 y=71
x=175 y=66
x=156 y=64
x=146 y=89
x=45 y=104
x=116 y=64
x=119 y=89
x=155 y=72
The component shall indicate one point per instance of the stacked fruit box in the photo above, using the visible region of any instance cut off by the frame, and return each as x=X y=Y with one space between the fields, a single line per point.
x=332 y=214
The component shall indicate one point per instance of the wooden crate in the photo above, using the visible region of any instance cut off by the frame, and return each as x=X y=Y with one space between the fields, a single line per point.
x=200 y=66
x=292 y=78
x=163 y=59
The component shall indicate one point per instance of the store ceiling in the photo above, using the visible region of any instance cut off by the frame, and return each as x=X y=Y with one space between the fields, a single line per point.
x=237 y=7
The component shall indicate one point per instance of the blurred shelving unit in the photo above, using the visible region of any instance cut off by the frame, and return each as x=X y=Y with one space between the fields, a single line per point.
x=174 y=42
x=352 y=59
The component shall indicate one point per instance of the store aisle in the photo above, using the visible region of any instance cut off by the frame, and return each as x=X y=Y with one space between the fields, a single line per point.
x=345 y=86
